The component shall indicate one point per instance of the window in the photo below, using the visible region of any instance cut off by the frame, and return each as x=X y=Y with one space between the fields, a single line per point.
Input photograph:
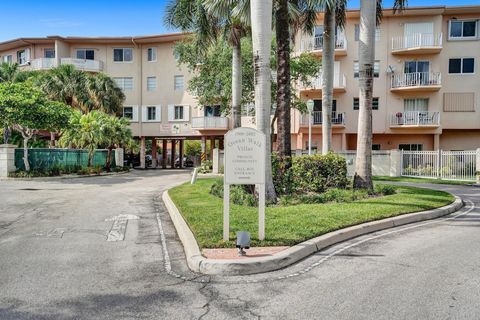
x=461 y=65
x=417 y=105
x=152 y=54
x=86 y=54
x=151 y=83
x=8 y=58
x=356 y=104
x=376 y=146
x=357 y=33
x=459 y=102
x=123 y=54
x=128 y=113
x=463 y=29
x=151 y=113
x=411 y=146
x=49 y=53
x=178 y=83
x=376 y=69
x=126 y=84
x=178 y=115
x=212 y=111
x=22 y=57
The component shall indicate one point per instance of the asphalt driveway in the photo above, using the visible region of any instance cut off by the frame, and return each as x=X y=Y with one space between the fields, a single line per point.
x=56 y=262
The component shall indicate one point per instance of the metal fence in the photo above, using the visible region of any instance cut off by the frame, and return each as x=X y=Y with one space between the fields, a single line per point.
x=449 y=165
x=44 y=159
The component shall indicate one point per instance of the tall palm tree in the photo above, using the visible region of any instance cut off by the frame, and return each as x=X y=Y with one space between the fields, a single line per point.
x=104 y=94
x=261 y=18
x=328 y=60
x=370 y=15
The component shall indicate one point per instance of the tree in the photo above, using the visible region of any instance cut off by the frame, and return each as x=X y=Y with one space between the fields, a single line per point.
x=262 y=37
x=328 y=58
x=193 y=148
x=370 y=15
x=115 y=132
x=104 y=94
x=26 y=110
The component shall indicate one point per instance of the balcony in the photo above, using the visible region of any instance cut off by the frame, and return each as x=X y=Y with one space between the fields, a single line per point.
x=314 y=44
x=210 y=123
x=43 y=63
x=416 y=119
x=84 y=65
x=416 y=81
x=339 y=84
x=420 y=43
x=338 y=119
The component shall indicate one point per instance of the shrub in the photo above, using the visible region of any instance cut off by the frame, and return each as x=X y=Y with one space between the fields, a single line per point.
x=309 y=174
x=239 y=194
x=206 y=166
x=385 y=189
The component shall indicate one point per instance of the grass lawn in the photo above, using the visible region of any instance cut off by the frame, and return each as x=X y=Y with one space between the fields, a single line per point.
x=290 y=225
x=420 y=180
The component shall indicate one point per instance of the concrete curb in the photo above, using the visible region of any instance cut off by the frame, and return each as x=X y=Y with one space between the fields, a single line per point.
x=197 y=263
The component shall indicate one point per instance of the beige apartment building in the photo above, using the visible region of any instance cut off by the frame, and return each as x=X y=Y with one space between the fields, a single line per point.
x=426 y=83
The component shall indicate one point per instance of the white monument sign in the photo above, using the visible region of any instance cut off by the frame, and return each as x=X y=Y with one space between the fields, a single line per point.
x=244 y=164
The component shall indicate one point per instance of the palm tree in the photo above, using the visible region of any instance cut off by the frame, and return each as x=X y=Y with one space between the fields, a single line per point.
x=68 y=85
x=262 y=37
x=210 y=19
x=328 y=60
x=115 y=132
x=104 y=94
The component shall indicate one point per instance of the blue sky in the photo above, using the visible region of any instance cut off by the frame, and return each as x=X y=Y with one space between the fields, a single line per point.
x=105 y=17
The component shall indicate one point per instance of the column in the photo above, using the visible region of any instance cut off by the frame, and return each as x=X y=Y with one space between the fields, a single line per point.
x=203 y=156
x=154 y=153
x=395 y=163
x=7 y=159
x=172 y=155
x=436 y=141
x=180 y=151
x=119 y=157
x=142 y=152
x=220 y=143
x=164 y=153
x=212 y=146
x=344 y=142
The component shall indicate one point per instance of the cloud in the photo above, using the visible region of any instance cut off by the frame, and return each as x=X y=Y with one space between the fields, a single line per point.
x=59 y=23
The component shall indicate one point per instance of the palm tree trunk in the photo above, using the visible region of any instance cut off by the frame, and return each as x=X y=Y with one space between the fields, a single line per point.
x=237 y=84
x=109 y=159
x=262 y=37
x=366 y=54
x=328 y=60
x=283 y=79
x=25 y=154
x=52 y=139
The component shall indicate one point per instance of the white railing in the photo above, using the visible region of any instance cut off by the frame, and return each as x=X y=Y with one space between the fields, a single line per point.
x=84 y=64
x=416 y=79
x=43 y=63
x=315 y=43
x=339 y=81
x=415 y=118
x=418 y=40
x=209 y=123
x=338 y=118
x=449 y=165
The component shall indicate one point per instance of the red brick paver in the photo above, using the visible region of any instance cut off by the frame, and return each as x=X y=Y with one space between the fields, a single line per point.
x=232 y=253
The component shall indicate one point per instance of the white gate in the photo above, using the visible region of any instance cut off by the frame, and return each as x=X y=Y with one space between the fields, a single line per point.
x=449 y=165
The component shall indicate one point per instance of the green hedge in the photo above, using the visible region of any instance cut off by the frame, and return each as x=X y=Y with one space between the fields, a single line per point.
x=309 y=174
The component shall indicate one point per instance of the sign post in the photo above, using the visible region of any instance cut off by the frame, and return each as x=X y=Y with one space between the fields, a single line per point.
x=244 y=164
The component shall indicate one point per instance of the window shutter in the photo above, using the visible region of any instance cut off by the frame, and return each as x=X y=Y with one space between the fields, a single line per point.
x=144 y=113
x=158 y=113
x=135 y=113
x=171 y=112
x=186 y=113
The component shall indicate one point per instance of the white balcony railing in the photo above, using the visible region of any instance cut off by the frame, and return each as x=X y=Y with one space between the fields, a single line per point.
x=416 y=79
x=315 y=43
x=415 y=118
x=338 y=118
x=209 y=123
x=83 y=64
x=418 y=40
x=43 y=63
x=339 y=81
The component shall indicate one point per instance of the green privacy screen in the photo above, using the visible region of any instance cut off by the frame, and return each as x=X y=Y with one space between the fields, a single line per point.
x=44 y=159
